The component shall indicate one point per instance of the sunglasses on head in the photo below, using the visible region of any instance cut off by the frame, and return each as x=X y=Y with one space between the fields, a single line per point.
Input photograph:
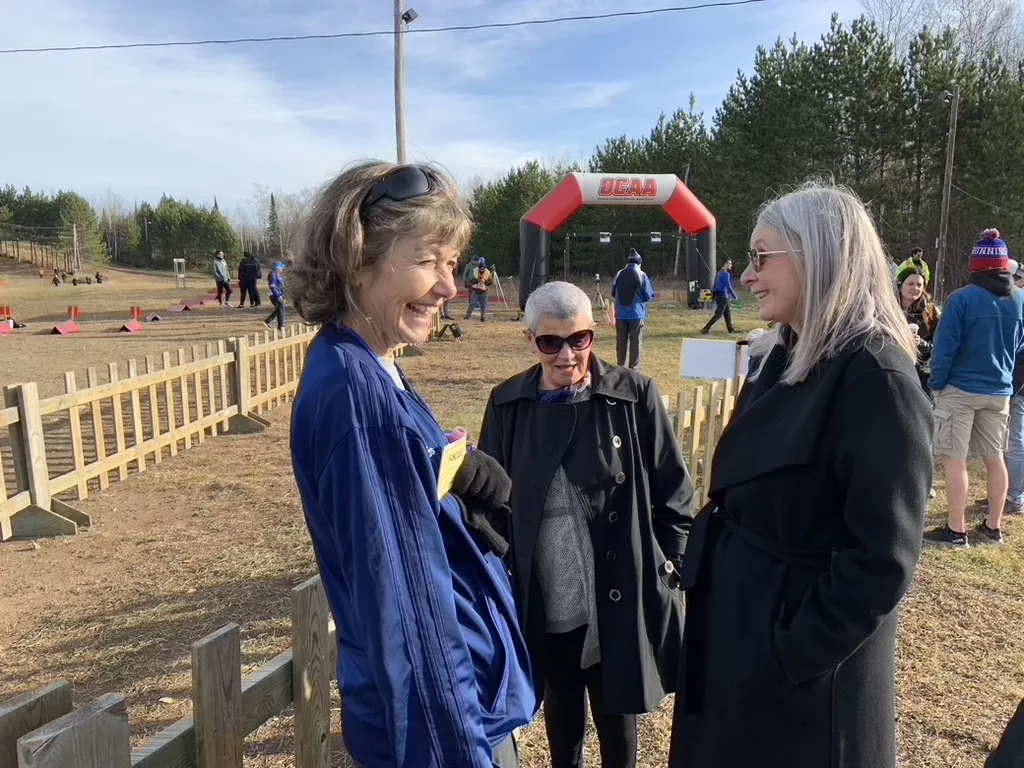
x=403 y=183
x=758 y=258
x=552 y=345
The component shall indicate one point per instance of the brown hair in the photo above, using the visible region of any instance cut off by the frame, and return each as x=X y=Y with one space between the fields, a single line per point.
x=339 y=242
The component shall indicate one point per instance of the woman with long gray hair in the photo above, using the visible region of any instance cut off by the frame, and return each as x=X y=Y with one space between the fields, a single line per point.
x=818 y=491
x=600 y=511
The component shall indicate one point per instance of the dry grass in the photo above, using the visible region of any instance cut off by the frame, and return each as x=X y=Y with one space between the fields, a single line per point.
x=216 y=535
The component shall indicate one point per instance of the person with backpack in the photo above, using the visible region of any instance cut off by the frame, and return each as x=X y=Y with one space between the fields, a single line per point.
x=631 y=290
x=249 y=274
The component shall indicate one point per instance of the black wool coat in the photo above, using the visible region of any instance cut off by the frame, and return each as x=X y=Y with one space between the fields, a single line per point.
x=795 y=569
x=627 y=463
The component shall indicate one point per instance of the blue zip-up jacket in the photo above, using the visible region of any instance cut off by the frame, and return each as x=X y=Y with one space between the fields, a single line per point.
x=432 y=667
x=276 y=283
x=723 y=285
x=636 y=306
x=980 y=334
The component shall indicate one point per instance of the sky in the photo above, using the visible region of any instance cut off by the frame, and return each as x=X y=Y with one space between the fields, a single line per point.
x=204 y=122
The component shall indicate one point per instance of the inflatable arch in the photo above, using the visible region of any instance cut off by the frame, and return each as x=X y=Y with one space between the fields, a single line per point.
x=579 y=189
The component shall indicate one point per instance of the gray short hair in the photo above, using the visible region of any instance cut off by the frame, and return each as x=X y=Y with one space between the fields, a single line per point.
x=557 y=301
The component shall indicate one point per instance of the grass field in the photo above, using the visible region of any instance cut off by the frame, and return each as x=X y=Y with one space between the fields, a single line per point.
x=216 y=535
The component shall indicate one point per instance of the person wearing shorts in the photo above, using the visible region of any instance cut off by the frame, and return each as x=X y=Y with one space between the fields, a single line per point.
x=978 y=339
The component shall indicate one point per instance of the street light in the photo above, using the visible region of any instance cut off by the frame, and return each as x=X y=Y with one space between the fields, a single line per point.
x=402 y=19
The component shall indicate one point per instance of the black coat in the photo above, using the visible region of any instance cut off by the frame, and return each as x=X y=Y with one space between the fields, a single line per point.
x=795 y=569
x=633 y=475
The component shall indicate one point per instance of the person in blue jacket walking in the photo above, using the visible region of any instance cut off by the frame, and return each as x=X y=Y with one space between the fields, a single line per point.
x=631 y=289
x=723 y=294
x=276 y=285
x=432 y=666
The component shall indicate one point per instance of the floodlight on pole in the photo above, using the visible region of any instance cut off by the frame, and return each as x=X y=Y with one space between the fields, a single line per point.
x=402 y=19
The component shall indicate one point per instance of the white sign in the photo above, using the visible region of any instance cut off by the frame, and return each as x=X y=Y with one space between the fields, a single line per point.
x=655 y=237
x=606 y=237
x=711 y=359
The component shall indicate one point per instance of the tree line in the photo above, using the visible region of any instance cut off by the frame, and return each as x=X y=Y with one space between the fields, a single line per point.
x=852 y=107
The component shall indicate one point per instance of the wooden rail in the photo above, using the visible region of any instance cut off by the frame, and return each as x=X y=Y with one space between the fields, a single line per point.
x=41 y=729
x=140 y=415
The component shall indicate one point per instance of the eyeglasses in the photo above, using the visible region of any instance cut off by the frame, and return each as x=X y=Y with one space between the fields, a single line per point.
x=758 y=258
x=403 y=183
x=552 y=345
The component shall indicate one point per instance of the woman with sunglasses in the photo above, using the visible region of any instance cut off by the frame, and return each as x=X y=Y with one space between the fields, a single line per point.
x=818 y=491
x=600 y=510
x=432 y=668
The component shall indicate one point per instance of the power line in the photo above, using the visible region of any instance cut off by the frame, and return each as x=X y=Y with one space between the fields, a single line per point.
x=386 y=32
x=999 y=208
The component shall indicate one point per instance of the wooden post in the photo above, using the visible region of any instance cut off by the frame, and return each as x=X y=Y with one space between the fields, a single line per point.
x=172 y=420
x=139 y=439
x=34 y=445
x=25 y=713
x=243 y=393
x=217 y=699
x=70 y=385
x=98 y=437
x=154 y=410
x=222 y=371
x=17 y=441
x=95 y=736
x=185 y=411
x=118 y=409
x=311 y=676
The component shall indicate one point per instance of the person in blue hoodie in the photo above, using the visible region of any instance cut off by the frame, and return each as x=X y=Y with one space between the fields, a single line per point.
x=276 y=284
x=432 y=667
x=980 y=334
x=631 y=290
x=723 y=293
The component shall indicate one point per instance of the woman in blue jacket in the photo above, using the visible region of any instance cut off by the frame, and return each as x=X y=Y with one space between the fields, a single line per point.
x=432 y=667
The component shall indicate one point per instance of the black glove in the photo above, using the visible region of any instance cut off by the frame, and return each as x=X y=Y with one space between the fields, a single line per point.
x=479 y=520
x=482 y=482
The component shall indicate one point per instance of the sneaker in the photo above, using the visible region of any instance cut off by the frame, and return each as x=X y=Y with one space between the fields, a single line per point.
x=268 y=326
x=987 y=536
x=946 y=537
x=1014 y=508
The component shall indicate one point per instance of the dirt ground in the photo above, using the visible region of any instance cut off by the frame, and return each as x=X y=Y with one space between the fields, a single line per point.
x=215 y=535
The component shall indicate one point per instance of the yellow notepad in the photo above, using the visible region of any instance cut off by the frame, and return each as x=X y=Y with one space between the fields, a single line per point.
x=451 y=460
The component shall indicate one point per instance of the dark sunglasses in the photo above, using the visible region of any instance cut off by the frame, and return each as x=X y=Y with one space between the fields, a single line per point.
x=758 y=258
x=552 y=345
x=403 y=183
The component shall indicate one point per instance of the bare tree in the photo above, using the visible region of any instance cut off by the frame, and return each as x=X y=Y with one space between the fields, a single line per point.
x=981 y=25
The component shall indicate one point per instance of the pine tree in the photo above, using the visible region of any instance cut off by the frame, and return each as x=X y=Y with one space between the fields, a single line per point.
x=274 y=243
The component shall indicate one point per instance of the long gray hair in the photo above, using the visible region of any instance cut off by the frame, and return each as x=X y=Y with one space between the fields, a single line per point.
x=847 y=279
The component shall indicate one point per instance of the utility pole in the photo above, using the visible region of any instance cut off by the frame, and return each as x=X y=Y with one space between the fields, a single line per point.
x=400 y=81
x=953 y=99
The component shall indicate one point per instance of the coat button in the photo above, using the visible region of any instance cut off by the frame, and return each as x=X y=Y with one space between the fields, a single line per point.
x=610 y=555
x=615 y=595
x=669 y=567
x=620 y=478
x=617 y=441
x=613 y=516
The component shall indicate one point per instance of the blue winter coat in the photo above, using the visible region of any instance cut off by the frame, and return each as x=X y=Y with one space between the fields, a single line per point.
x=432 y=668
x=723 y=285
x=276 y=284
x=635 y=306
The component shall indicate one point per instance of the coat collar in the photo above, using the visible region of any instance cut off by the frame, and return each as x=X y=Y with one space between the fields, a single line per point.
x=610 y=381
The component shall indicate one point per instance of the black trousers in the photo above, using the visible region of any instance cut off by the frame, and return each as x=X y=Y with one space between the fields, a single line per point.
x=722 y=309
x=250 y=289
x=223 y=289
x=565 y=708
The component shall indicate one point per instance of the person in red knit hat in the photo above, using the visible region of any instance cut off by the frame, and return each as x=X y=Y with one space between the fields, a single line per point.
x=976 y=344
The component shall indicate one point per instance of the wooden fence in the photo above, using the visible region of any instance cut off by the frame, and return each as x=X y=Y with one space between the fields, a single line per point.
x=78 y=441
x=41 y=729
